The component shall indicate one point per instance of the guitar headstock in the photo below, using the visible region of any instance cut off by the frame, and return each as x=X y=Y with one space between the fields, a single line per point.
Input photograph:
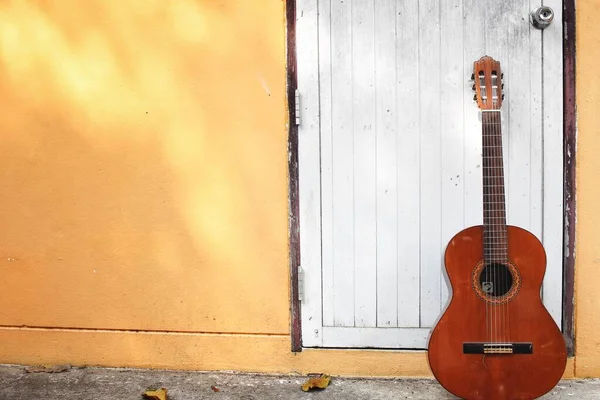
x=488 y=85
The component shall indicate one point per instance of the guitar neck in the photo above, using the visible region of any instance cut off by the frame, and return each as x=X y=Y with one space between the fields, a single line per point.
x=494 y=205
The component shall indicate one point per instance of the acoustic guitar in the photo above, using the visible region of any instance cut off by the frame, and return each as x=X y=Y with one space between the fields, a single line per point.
x=495 y=340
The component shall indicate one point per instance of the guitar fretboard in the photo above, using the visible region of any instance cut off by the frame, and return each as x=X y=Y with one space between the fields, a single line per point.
x=494 y=211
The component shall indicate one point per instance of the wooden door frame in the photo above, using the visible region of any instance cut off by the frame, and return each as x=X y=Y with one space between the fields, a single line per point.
x=569 y=153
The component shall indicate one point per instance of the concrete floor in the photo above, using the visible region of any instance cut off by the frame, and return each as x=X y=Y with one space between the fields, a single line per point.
x=128 y=384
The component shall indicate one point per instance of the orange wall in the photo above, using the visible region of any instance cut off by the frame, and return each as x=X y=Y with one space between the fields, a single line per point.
x=143 y=175
x=587 y=253
x=143 y=183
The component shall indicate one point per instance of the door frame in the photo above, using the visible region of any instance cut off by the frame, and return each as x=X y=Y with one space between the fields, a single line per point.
x=569 y=154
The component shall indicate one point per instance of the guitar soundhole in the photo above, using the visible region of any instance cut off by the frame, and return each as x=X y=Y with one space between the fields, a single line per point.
x=496 y=283
x=495 y=280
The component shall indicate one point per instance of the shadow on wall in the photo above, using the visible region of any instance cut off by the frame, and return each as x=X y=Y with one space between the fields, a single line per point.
x=143 y=175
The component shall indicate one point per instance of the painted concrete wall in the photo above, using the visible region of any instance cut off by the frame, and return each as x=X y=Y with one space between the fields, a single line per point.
x=143 y=181
x=587 y=264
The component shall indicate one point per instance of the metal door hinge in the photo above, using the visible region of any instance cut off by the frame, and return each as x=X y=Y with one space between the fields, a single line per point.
x=300 y=283
x=297 y=106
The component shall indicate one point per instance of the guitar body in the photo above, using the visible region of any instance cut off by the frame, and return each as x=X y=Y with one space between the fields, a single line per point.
x=518 y=316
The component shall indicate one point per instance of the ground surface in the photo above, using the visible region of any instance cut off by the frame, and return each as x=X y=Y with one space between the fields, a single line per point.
x=127 y=384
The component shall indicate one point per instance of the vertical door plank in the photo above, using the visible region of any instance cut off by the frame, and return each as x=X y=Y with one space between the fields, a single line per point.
x=343 y=163
x=496 y=45
x=519 y=87
x=365 y=189
x=474 y=49
x=326 y=151
x=553 y=161
x=309 y=173
x=408 y=164
x=387 y=173
x=430 y=165
x=536 y=210
x=453 y=80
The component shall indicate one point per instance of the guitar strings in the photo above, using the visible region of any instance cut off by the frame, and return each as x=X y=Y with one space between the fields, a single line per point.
x=495 y=235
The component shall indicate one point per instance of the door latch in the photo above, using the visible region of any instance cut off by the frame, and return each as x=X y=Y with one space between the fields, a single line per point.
x=541 y=17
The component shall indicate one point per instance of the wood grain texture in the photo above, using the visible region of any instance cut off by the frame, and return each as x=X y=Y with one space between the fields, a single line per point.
x=408 y=166
x=499 y=376
x=569 y=153
x=293 y=190
x=309 y=173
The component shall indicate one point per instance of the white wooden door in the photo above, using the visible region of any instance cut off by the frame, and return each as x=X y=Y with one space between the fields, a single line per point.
x=390 y=155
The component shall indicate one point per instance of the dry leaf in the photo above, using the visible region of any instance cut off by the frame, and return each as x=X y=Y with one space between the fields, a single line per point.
x=50 y=369
x=320 y=382
x=160 y=394
x=215 y=389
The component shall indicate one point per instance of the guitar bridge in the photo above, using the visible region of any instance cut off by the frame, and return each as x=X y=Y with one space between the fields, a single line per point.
x=497 y=348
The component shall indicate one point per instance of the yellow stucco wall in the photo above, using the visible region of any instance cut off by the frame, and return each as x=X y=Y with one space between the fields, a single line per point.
x=143 y=183
x=587 y=265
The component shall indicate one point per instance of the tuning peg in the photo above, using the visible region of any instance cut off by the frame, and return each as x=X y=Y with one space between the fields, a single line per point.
x=473 y=87
x=472 y=77
x=475 y=97
x=503 y=96
x=503 y=86
x=502 y=75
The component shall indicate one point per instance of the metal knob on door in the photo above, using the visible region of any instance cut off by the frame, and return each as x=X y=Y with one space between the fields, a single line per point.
x=541 y=17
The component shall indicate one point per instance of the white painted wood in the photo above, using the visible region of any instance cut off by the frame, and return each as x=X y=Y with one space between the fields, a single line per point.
x=395 y=186
x=430 y=163
x=452 y=126
x=309 y=172
x=535 y=127
x=365 y=163
x=474 y=46
x=342 y=206
x=391 y=338
x=553 y=162
x=325 y=87
x=518 y=129
x=387 y=161
x=408 y=167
